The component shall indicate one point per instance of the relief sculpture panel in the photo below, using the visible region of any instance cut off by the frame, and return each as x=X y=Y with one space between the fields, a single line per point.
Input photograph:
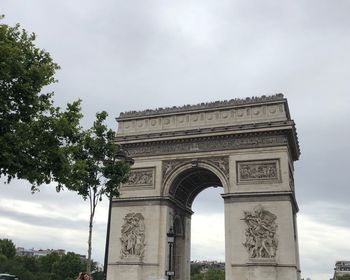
x=258 y=171
x=133 y=236
x=261 y=241
x=140 y=177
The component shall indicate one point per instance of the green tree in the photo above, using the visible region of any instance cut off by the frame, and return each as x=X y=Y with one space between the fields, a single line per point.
x=49 y=267
x=98 y=168
x=215 y=274
x=195 y=268
x=97 y=275
x=25 y=267
x=199 y=276
x=30 y=263
x=40 y=142
x=211 y=273
x=34 y=134
x=68 y=267
x=47 y=263
x=7 y=248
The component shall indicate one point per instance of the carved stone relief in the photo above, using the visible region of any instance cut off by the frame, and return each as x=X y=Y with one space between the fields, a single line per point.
x=133 y=236
x=222 y=163
x=204 y=145
x=261 y=171
x=219 y=162
x=140 y=177
x=261 y=241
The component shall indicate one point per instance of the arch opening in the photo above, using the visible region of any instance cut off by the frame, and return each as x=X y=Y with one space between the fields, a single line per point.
x=186 y=184
x=189 y=183
x=208 y=228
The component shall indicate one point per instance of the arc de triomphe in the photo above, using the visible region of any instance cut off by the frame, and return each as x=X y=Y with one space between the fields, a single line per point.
x=248 y=147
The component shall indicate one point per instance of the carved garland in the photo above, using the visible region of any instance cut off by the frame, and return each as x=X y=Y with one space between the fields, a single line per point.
x=261 y=241
x=133 y=236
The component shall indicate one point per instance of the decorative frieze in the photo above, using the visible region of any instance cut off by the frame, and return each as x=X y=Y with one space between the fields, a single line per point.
x=259 y=171
x=140 y=177
x=205 y=144
x=222 y=163
x=133 y=237
x=261 y=241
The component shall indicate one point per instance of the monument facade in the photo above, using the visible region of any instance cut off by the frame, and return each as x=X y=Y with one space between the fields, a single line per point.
x=247 y=147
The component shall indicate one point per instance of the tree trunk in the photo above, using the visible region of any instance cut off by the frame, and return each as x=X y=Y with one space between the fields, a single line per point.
x=88 y=264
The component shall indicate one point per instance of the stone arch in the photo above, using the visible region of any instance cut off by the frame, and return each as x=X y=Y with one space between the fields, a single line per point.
x=182 y=184
x=213 y=176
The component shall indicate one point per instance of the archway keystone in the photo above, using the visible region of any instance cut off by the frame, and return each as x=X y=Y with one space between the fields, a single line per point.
x=248 y=147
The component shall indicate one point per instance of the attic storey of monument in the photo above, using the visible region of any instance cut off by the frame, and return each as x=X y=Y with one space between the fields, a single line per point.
x=247 y=147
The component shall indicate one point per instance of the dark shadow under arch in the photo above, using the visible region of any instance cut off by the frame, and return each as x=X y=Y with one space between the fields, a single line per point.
x=189 y=183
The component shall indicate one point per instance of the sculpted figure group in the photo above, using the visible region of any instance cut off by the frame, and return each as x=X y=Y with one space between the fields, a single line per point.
x=133 y=236
x=261 y=241
x=251 y=171
x=140 y=178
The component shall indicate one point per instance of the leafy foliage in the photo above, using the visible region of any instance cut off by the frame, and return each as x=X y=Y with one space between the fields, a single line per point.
x=215 y=274
x=97 y=168
x=40 y=142
x=68 y=265
x=195 y=268
x=35 y=136
x=49 y=267
x=211 y=273
x=7 y=248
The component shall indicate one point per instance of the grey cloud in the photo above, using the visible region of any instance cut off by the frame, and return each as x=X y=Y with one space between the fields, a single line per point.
x=335 y=213
x=39 y=221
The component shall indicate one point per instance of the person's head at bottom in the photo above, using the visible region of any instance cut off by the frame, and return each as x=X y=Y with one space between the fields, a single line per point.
x=84 y=276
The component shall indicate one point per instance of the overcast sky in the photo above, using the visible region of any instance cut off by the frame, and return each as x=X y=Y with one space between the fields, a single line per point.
x=139 y=54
